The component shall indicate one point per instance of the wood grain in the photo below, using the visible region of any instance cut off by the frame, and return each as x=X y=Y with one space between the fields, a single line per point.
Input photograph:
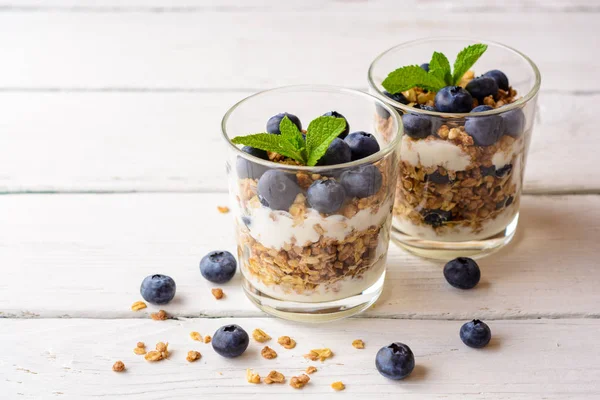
x=72 y=359
x=172 y=142
x=86 y=255
x=229 y=48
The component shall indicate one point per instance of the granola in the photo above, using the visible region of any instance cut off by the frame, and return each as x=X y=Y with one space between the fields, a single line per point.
x=298 y=382
x=268 y=353
x=196 y=336
x=161 y=315
x=358 y=344
x=286 y=342
x=260 y=336
x=252 y=377
x=311 y=370
x=193 y=355
x=118 y=366
x=338 y=386
x=274 y=377
x=319 y=354
x=223 y=209
x=218 y=293
x=138 y=305
x=140 y=349
x=207 y=339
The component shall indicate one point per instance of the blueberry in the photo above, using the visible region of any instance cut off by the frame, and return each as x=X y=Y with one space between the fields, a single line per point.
x=462 y=273
x=395 y=361
x=424 y=107
x=485 y=131
x=453 y=99
x=416 y=126
x=504 y=171
x=277 y=189
x=487 y=171
x=326 y=196
x=218 y=266
x=338 y=152
x=246 y=220
x=425 y=67
x=248 y=169
x=362 y=144
x=338 y=115
x=481 y=108
x=274 y=121
x=514 y=122
x=399 y=97
x=509 y=201
x=438 y=178
x=436 y=218
x=230 y=341
x=363 y=181
x=158 y=289
x=482 y=87
x=505 y=202
x=499 y=77
x=475 y=334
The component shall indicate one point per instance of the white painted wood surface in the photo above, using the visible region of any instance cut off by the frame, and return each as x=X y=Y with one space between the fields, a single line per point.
x=126 y=96
x=72 y=359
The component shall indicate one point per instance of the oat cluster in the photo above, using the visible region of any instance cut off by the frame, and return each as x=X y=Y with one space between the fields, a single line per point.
x=140 y=349
x=161 y=315
x=268 y=353
x=274 y=377
x=138 y=305
x=161 y=352
x=193 y=355
x=118 y=366
x=260 y=336
x=286 y=342
x=298 y=382
x=358 y=344
x=218 y=293
x=252 y=377
x=319 y=354
x=338 y=386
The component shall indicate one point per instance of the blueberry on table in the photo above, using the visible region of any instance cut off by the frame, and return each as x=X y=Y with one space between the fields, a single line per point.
x=499 y=77
x=326 y=196
x=481 y=108
x=482 y=87
x=485 y=131
x=504 y=171
x=218 y=266
x=338 y=152
x=395 y=361
x=363 y=181
x=338 y=115
x=230 y=341
x=514 y=122
x=462 y=273
x=248 y=169
x=274 y=121
x=436 y=218
x=425 y=67
x=362 y=144
x=277 y=189
x=158 y=289
x=453 y=99
x=475 y=334
x=417 y=126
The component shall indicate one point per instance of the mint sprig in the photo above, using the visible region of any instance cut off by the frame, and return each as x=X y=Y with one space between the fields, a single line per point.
x=319 y=135
x=439 y=75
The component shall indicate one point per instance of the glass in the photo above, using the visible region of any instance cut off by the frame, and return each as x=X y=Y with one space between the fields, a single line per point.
x=459 y=194
x=296 y=262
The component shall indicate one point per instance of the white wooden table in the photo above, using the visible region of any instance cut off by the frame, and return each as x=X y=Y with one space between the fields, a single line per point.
x=111 y=169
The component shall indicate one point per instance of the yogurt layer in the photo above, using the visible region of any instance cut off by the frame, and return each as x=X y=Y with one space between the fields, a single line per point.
x=432 y=153
x=276 y=228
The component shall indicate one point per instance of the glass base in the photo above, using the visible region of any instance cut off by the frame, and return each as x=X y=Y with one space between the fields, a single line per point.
x=446 y=251
x=314 y=312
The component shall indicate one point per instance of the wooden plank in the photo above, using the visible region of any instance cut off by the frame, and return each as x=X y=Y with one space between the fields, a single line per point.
x=86 y=255
x=550 y=359
x=172 y=142
x=235 y=49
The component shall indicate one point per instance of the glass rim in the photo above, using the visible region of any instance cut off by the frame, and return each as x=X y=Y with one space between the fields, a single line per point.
x=391 y=146
x=496 y=111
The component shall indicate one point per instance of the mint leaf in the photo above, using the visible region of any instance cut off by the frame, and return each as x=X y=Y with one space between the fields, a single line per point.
x=465 y=60
x=410 y=76
x=291 y=133
x=439 y=66
x=319 y=135
x=270 y=142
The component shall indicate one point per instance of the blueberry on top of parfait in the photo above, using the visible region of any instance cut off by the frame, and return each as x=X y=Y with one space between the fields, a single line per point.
x=275 y=120
x=453 y=99
x=500 y=78
x=338 y=115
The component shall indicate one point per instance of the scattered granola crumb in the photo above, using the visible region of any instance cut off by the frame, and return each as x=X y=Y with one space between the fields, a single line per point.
x=286 y=342
x=260 y=336
x=160 y=353
x=159 y=316
x=218 y=293
x=193 y=355
x=119 y=366
x=140 y=344
x=153 y=355
x=338 y=386
x=162 y=347
x=252 y=377
x=274 y=377
x=196 y=336
x=138 y=305
x=207 y=339
x=223 y=209
x=140 y=349
x=319 y=354
x=358 y=344
x=268 y=353
x=298 y=382
x=311 y=369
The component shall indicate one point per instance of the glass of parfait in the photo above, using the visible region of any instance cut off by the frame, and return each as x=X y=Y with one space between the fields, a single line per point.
x=467 y=132
x=312 y=220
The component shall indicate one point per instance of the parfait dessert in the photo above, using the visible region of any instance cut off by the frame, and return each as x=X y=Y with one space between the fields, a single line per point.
x=463 y=153
x=313 y=206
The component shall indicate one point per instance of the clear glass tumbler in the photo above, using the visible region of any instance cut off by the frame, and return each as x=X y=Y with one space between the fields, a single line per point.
x=458 y=195
x=298 y=263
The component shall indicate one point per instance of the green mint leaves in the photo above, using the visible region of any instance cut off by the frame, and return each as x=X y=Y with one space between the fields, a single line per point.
x=319 y=135
x=439 y=75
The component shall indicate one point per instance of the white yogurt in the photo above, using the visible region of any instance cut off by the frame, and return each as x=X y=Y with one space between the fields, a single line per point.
x=276 y=228
x=432 y=153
